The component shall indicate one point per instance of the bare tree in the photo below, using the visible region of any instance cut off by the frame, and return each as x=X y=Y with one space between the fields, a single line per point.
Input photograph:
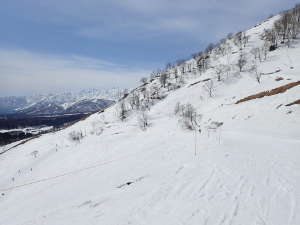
x=256 y=53
x=203 y=63
x=176 y=73
x=270 y=36
x=209 y=88
x=35 y=153
x=265 y=50
x=228 y=53
x=182 y=69
x=134 y=100
x=257 y=74
x=245 y=39
x=163 y=79
x=177 y=108
x=187 y=113
x=220 y=69
x=238 y=40
x=122 y=110
x=241 y=63
x=76 y=136
x=168 y=66
x=156 y=93
x=144 y=80
x=143 y=120
x=209 y=48
x=189 y=68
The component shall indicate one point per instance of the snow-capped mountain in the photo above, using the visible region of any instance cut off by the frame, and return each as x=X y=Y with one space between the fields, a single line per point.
x=85 y=101
x=212 y=140
x=10 y=104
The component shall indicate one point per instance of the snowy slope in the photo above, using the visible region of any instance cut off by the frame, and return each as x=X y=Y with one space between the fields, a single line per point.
x=245 y=172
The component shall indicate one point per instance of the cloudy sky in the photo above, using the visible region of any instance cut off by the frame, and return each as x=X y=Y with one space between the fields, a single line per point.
x=66 y=45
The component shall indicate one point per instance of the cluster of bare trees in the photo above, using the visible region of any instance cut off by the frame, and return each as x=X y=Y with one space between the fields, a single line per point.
x=242 y=61
x=202 y=62
x=261 y=53
x=241 y=39
x=140 y=101
x=76 y=136
x=285 y=29
x=163 y=78
x=188 y=116
x=221 y=70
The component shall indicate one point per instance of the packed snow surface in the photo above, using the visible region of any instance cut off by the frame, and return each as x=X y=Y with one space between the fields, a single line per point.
x=247 y=171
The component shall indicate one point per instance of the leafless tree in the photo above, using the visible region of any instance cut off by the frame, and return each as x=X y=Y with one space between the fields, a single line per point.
x=134 y=100
x=35 y=153
x=163 y=79
x=254 y=69
x=176 y=73
x=122 y=110
x=168 y=66
x=270 y=36
x=238 y=40
x=182 y=69
x=209 y=88
x=256 y=53
x=203 y=63
x=242 y=61
x=144 y=80
x=187 y=113
x=220 y=69
x=209 y=48
x=265 y=50
x=76 y=136
x=143 y=120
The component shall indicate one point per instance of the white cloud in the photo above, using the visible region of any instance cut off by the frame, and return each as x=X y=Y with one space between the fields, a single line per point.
x=24 y=72
x=137 y=19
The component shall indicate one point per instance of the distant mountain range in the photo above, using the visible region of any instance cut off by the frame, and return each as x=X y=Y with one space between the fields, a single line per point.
x=85 y=101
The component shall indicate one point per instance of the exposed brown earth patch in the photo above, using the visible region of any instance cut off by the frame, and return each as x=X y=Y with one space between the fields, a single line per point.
x=297 y=102
x=279 y=78
x=274 y=91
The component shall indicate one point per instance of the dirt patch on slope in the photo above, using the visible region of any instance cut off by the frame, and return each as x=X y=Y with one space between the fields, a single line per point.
x=274 y=91
x=297 y=102
x=279 y=78
x=201 y=81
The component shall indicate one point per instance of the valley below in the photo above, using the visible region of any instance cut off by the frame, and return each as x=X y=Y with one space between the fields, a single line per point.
x=17 y=127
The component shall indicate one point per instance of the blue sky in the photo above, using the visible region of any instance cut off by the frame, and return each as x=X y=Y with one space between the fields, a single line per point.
x=66 y=45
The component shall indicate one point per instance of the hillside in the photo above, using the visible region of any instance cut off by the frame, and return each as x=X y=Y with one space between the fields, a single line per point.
x=217 y=161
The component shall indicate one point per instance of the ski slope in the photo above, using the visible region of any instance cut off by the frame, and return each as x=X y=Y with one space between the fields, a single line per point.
x=245 y=172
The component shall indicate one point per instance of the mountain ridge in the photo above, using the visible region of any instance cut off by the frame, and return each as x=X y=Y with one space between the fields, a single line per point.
x=53 y=104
